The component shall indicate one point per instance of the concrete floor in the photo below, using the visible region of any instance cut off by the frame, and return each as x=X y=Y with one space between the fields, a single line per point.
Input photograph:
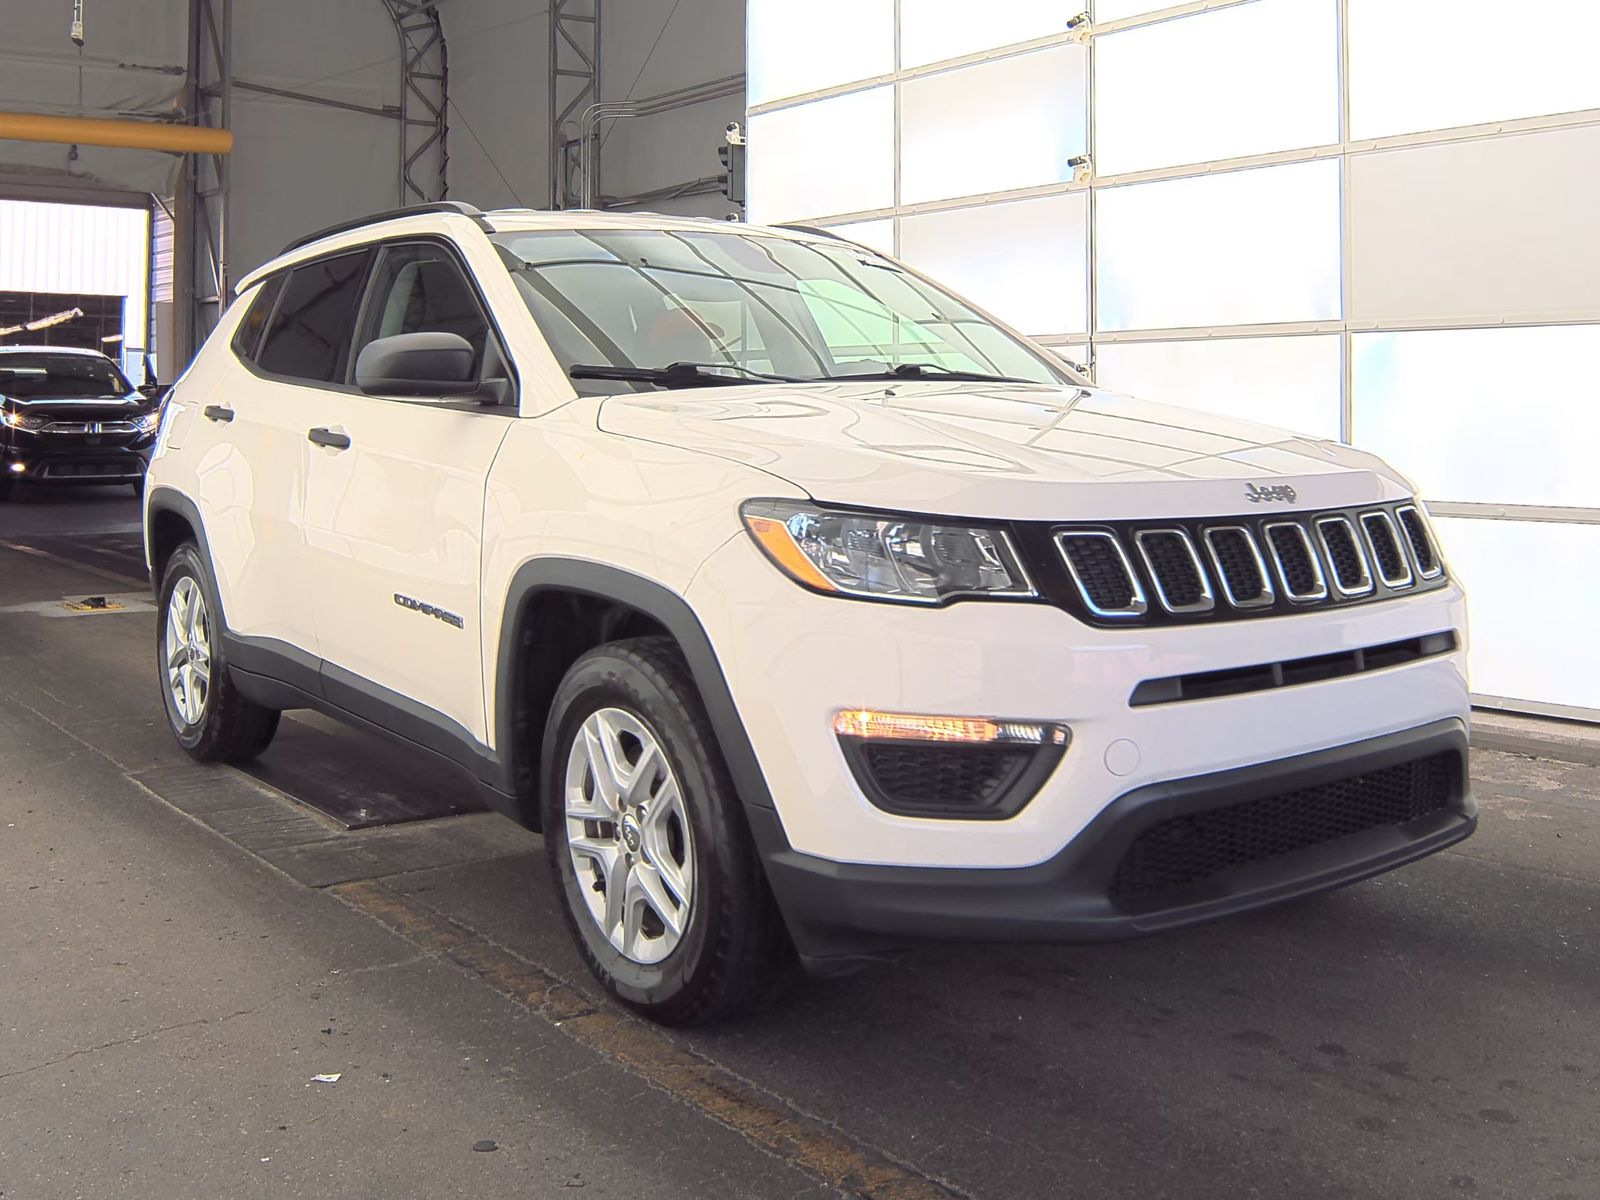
x=185 y=948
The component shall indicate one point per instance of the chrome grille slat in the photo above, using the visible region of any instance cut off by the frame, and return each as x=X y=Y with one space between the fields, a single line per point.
x=1233 y=580
x=95 y=427
x=1286 y=558
x=1085 y=551
x=1177 y=589
x=1389 y=557
x=1345 y=554
x=1423 y=550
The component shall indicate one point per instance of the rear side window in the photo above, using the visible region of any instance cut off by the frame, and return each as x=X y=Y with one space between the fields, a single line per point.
x=247 y=338
x=309 y=335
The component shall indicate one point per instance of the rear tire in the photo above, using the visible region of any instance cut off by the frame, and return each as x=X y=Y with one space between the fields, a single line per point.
x=212 y=721
x=671 y=839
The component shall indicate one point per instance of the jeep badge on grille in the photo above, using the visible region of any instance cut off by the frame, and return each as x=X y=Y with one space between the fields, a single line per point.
x=1267 y=495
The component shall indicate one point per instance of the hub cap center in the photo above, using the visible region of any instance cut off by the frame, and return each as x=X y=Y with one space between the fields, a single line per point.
x=632 y=835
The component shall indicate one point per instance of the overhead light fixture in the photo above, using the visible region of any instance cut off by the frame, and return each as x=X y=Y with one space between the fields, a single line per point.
x=112 y=337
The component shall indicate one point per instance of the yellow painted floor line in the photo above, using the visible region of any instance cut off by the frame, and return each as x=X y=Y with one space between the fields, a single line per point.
x=807 y=1143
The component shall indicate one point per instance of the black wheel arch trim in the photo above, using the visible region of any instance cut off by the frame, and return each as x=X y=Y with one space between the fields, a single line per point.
x=668 y=609
x=167 y=499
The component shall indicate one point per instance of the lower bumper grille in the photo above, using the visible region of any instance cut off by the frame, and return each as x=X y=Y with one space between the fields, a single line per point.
x=1189 y=849
x=68 y=469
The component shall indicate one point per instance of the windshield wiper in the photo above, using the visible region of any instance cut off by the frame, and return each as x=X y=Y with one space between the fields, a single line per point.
x=676 y=375
x=915 y=370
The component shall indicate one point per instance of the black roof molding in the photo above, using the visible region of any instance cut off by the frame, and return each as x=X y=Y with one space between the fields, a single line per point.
x=438 y=206
x=816 y=229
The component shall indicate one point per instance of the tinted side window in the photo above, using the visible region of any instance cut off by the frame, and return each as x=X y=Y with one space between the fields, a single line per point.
x=420 y=289
x=247 y=338
x=309 y=337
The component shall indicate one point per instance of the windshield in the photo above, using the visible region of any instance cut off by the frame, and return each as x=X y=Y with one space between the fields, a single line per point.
x=60 y=377
x=809 y=310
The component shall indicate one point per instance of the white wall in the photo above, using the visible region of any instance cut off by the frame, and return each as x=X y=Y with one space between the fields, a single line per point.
x=649 y=47
x=1380 y=228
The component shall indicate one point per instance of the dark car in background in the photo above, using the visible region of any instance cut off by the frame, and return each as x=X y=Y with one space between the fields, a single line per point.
x=72 y=417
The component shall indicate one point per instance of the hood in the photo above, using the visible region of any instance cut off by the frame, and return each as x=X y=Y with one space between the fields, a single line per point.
x=1008 y=451
x=88 y=408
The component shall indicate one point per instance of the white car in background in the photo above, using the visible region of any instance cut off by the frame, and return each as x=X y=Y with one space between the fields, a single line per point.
x=796 y=600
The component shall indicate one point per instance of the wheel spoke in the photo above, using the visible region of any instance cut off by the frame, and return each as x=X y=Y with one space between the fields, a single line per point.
x=641 y=777
x=602 y=761
x=617 y=887
x=655 y=895
x=658 y=843
x=634 y=901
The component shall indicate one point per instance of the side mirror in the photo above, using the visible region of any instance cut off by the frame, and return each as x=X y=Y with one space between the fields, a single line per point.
x=416 y=364
x=153 y=390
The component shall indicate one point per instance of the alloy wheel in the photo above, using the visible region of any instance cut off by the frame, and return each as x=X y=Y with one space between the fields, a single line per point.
x=188 y=650
x=628 y=835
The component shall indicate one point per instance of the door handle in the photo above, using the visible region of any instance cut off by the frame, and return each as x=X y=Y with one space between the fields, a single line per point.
x=218 y=412
x=323 y=436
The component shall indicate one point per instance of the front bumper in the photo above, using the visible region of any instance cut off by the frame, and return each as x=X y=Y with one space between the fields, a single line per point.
x=793 y=660
x=36 y=461
x=843 y=914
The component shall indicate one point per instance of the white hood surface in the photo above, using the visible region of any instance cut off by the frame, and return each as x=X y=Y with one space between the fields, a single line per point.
x=1011 y=451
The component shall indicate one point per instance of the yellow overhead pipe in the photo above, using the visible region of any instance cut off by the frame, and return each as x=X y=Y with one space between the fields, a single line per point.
x=101 y=131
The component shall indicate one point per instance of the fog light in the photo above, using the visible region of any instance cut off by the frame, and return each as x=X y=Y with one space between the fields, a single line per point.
x=876 y=726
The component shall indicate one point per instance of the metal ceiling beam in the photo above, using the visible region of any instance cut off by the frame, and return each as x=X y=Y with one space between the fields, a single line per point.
x=574 y=88
x=424 y=101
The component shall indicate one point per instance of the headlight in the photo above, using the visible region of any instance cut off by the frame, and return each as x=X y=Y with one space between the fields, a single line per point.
x=19 y=420
x=885 y=556
x=145 y=422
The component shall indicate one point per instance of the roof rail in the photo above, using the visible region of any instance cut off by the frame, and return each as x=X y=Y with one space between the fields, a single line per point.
x=436 y=206
x=816 y=229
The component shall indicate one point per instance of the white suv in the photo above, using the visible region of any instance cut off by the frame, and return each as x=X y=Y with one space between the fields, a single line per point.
x=796 y=600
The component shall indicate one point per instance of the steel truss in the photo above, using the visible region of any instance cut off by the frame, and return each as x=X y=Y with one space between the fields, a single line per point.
x=424 y=101
x=574 y=88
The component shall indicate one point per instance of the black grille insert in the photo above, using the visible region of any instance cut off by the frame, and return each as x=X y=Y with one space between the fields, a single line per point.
x=1421 y=543
x=919 y=774
x=1297 y=562
x=1239 y=565
x=1187 y=850
x=1393 y=568
x=1236 y=681
x=1102 y=574
x=1175 y=569
x=1349 y=564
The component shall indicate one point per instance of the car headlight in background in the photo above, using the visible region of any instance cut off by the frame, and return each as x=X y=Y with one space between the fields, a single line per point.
x=145 y=422
x=17 y=420
x=884 y=556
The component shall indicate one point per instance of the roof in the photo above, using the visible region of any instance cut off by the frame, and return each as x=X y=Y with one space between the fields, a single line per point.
x=429 y=217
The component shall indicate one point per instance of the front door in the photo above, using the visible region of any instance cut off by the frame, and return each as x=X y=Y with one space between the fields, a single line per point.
x=394 y=514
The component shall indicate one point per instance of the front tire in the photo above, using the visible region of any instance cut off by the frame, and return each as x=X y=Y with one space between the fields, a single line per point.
x=652 y=862
x=210 y=718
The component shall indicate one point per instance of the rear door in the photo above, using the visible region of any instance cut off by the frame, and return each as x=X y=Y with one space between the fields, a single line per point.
x=396 y=515
x=292 y=344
